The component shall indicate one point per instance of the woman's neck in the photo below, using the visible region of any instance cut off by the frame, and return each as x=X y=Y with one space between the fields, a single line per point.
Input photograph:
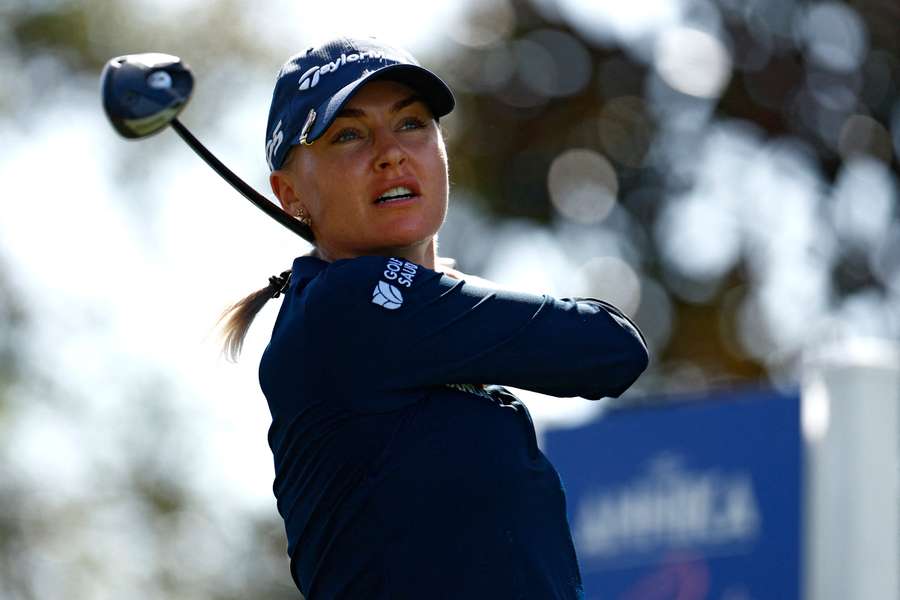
x=423 y=254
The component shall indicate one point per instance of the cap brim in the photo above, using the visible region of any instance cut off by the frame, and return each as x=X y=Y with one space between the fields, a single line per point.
x=434 y=92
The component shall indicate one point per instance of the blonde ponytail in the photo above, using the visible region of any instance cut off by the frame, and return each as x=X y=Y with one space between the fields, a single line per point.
x=239 y=316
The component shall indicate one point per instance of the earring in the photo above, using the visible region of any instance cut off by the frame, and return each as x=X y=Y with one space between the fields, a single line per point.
x=303 y=217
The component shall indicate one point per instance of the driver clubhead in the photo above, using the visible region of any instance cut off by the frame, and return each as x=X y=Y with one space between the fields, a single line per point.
x=142 y=93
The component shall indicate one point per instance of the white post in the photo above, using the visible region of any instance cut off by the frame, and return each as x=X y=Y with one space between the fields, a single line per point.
x=851 y=426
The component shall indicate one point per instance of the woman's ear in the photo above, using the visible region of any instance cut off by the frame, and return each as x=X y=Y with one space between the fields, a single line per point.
x=283 y=188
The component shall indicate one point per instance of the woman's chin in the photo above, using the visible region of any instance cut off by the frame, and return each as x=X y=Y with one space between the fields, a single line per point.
x=404 y=233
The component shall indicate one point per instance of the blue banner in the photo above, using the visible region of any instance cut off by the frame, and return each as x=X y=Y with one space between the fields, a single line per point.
x=694 y=500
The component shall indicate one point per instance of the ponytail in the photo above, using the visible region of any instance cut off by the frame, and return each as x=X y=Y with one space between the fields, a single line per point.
x=239 y=316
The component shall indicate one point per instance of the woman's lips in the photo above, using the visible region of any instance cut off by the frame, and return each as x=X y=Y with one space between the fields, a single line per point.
x=395 y=202
x=397 y=190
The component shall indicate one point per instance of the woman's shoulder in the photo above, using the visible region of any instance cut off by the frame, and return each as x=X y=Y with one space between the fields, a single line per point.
x=310 y=272
x=382 y=280
x=361 y=271
x=349 y=288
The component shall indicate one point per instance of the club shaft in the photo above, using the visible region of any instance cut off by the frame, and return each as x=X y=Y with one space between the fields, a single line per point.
x=240 y=185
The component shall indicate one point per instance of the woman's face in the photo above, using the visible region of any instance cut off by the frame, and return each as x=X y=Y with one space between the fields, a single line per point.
x=376 y=181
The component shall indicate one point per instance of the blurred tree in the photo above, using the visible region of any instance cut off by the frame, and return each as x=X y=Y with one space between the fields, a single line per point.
x=531 y=85
x=141 y=530
x=515 y=126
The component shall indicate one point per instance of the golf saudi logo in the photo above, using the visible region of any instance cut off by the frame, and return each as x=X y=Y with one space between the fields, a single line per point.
x=387 y=296
x=401 y=272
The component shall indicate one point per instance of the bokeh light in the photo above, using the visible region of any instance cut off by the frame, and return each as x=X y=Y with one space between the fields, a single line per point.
x=583 y=185
x=486 y=25
x=864 y=202
x=832 y=35
x=699 y=237
x=612 y=279
x=692 y=61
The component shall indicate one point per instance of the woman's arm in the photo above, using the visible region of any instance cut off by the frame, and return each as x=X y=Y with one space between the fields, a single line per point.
x=400 y=325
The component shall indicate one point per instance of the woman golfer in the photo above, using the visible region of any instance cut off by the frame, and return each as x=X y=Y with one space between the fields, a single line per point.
x=402 y=470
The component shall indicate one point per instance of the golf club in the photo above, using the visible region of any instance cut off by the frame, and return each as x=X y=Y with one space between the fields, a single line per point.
x=142 y=93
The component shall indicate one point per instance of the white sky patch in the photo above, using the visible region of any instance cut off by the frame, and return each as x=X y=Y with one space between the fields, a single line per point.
x=48 y=450
x=64 y=235
x=407 y=23
x=527 y=258
x=112 y=308
x=608 y=21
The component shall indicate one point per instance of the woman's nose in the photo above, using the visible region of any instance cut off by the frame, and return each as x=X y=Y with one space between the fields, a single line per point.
x=390 y=152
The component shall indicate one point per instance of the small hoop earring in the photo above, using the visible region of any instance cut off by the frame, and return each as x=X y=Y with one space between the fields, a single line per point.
x=303 y=217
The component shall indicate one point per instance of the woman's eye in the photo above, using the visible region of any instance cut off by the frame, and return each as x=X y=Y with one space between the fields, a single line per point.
x=412 y=123
x=346 y=135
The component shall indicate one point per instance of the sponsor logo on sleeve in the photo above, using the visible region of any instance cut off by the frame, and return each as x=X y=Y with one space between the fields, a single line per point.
x=387 y=296
x=401 y=272
x=397 y=273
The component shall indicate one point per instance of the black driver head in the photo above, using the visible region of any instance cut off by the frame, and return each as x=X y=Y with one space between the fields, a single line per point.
x=142 y=93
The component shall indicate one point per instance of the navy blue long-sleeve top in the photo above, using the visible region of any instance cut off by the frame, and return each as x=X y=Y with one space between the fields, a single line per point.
x=398 y=472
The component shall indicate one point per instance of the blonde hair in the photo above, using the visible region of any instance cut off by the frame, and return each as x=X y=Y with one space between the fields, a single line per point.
x=239 y=316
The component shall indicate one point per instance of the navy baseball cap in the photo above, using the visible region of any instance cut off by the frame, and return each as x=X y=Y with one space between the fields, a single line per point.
x=313 y=86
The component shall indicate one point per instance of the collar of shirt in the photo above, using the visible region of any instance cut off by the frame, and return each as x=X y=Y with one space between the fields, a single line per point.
x=305 y=268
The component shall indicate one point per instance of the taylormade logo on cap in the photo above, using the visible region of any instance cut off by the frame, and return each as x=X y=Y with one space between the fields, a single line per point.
x=310 y=79
x=272 y=145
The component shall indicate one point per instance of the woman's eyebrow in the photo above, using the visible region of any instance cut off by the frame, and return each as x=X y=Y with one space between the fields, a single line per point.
x=397 y=106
